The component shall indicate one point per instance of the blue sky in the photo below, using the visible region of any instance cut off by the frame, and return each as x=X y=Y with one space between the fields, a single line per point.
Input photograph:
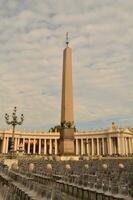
x=32 y=39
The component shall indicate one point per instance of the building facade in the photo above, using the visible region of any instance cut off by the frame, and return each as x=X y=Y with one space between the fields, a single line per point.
x=112 y=141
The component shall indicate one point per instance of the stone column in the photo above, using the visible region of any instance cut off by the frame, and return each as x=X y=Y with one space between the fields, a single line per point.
x=50 y=147
x=7 y=142
x=92 y=147
x=55 y=146
x=118 y=145
x=77 y=147
x=4 y=144
x=126 y=148
x=82 y=147
x=18 y=143
x=24 y=144
x=39 y=149
x=34 y=146
x=103 y=151
x=125 y=145
x=109 y=146
x=87 y=142
x=97 y=146
x=130 y=145
x=29 y=146
x=89 y=148
x=45 y=147
x=122 y=145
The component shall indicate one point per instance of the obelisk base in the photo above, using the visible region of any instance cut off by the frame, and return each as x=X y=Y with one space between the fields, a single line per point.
x=66 y=146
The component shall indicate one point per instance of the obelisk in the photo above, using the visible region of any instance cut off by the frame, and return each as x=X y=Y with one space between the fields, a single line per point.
x=67 y=120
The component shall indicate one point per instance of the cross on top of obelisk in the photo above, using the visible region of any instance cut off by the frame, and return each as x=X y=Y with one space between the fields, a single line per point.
x=67 y=39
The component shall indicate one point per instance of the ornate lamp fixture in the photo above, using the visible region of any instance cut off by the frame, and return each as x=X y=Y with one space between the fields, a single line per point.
x=13 y=122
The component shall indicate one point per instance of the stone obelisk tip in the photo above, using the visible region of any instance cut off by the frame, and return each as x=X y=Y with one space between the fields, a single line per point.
x=67 y=39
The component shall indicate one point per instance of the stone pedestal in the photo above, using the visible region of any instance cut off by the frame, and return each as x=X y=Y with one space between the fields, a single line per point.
x=66 y=146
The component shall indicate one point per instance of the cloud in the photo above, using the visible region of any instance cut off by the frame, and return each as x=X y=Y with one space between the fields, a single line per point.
x=32 y=37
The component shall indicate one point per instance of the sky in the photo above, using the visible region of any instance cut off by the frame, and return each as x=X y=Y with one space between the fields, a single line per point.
x=32 y=39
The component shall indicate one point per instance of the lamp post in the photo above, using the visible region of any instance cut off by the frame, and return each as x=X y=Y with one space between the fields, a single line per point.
x=13 y=122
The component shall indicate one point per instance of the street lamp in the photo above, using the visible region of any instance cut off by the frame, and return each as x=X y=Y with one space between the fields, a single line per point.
x=13 y=122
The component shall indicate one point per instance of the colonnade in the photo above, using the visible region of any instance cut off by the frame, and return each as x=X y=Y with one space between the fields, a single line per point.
x=104 y=146
x=40 y=146
x=33 y=145
x=5 y=146
x=88 y=144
